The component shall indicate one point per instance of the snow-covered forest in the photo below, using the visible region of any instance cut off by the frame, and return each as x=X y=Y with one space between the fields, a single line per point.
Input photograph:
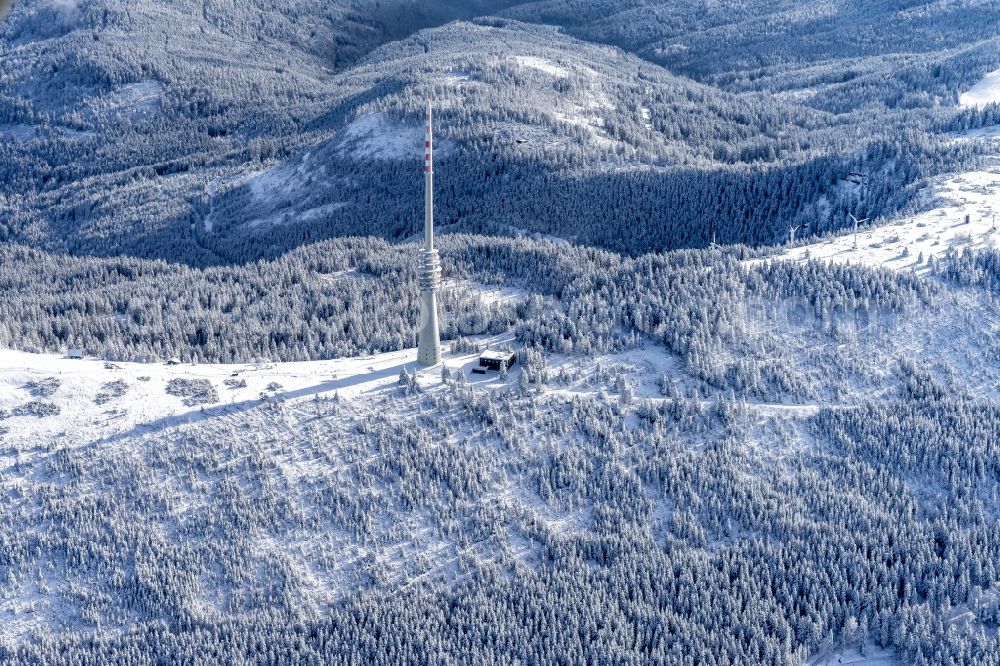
x=308 y=127
x=742 y=427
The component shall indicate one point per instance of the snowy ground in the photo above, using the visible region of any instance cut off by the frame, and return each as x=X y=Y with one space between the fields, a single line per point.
x=378 y=137
x=133 y=100
x=19 y=133
x=911 y=242
x=852 y=656
x=541 y=65
x=985 y=92
x=147 y=406
x=488 y=294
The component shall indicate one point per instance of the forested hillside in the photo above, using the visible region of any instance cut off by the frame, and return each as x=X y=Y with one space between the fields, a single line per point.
x=738 y=429
x=214 y=134
x=838 y=55
x=697 y=445
x=117 y=117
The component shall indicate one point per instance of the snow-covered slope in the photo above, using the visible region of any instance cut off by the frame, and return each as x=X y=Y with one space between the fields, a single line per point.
x=987 y=91
x=113 y=412
x=297 y=426
x=179 y=495
x=509 y=98
x=89 y=407
x=960 y=212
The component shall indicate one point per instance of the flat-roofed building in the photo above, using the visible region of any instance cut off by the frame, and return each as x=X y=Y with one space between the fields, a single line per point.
x=494 y=359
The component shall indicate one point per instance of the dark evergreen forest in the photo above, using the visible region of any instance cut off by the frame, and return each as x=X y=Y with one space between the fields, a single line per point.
x=306 y=124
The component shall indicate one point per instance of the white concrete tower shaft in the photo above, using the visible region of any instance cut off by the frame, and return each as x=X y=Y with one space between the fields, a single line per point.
x=429 y=349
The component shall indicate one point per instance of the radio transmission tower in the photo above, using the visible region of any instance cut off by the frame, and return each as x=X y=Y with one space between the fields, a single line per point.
x=429 y=348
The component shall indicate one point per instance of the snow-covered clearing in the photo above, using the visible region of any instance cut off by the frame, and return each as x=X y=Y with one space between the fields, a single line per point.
x=271 y=184
x=962 y=212
x=19 y=133
x=989 y=132
x=376 y=136
x=134 y=99
x=457 y=78
x=871 y=655
x=585 y=109
x=985 y=92
x=541 y=65
x=25 y=133
x=97 y=400
x=280 y=191
x=581 y=117
x=312 y=215
x=488 y=294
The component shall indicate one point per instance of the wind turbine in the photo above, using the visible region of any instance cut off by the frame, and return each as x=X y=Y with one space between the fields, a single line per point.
x=791 y=234
x=856 y=223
